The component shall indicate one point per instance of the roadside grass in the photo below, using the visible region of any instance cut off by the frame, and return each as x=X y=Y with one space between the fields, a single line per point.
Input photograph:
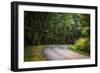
x=73 y=48
x=34 y=53
x=28 y=53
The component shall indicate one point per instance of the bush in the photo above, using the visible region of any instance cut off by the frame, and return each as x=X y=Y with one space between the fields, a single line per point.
x=72 y=47
x=83 y=44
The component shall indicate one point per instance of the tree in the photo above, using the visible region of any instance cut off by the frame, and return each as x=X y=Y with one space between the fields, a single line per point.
x=55 y=28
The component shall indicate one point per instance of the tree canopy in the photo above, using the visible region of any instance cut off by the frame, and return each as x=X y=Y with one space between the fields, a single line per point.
x=55 y=28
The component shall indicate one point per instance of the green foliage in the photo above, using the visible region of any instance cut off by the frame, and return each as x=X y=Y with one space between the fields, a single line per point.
x=34 y=53
x=73 y=47
x=54 y=28
x=28 y=53
x=83 y=44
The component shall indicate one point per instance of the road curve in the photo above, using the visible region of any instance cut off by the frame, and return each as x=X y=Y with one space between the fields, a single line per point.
x=62 y=53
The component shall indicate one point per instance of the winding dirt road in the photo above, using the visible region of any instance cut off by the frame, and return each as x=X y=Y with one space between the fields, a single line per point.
x=62 y=53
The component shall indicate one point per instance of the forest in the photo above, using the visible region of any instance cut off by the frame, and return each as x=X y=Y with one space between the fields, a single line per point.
x=52 y=28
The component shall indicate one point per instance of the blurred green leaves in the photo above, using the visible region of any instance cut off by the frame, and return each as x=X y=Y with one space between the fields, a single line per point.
x=81 y=45
x=55 y=28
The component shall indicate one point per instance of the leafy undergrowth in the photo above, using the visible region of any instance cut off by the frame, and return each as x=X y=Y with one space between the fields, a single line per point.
x=81 y=46
x=73 y=48
x=34 y=53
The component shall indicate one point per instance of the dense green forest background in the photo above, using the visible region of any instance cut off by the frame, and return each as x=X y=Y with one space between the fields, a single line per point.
x=46 y=28
x=55 y=28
